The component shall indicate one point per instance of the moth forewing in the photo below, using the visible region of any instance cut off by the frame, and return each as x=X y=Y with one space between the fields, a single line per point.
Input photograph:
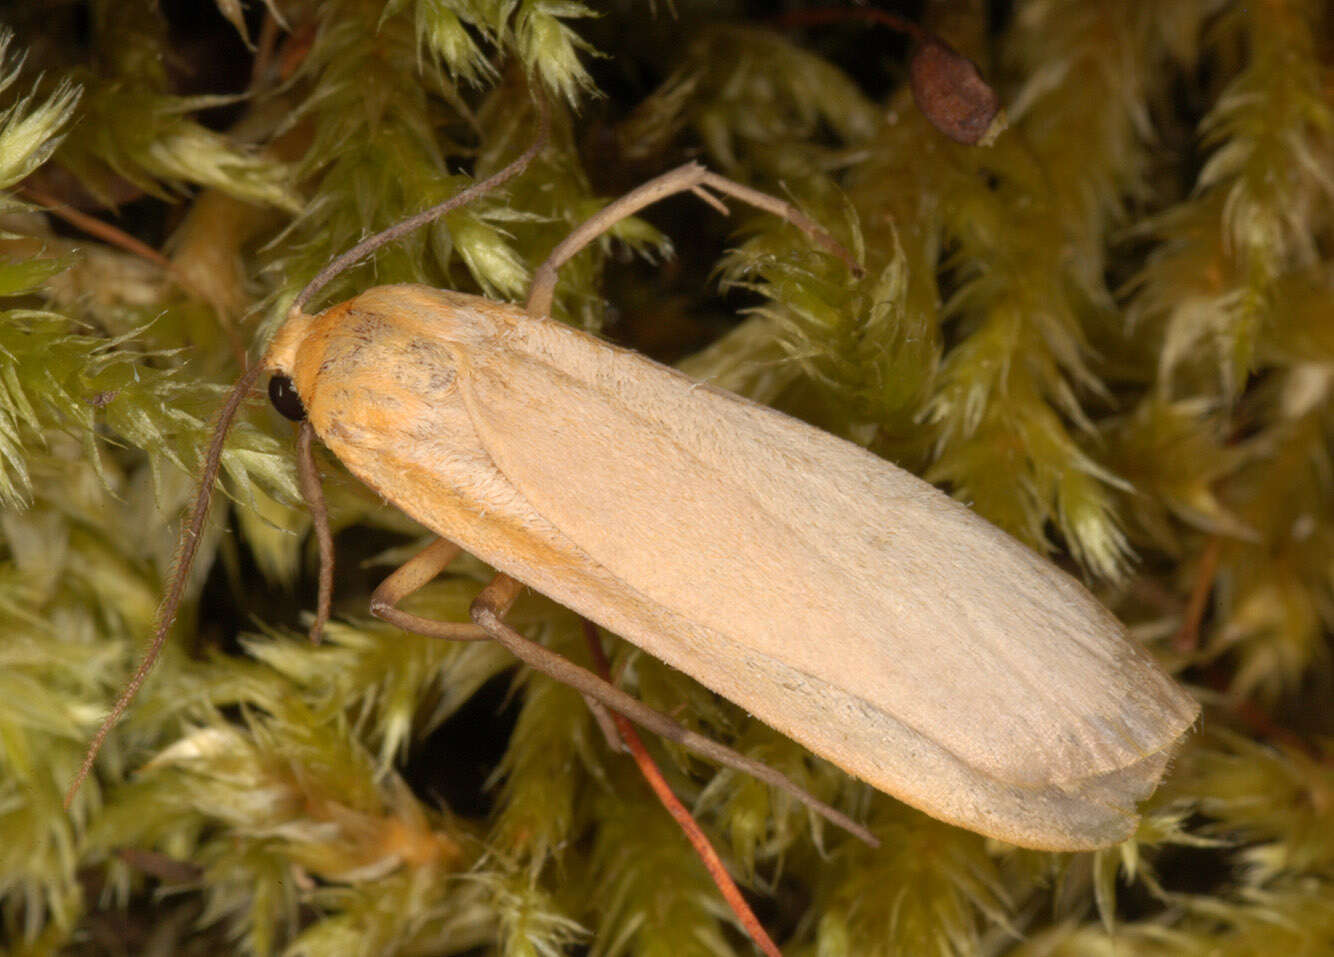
x=842 y=600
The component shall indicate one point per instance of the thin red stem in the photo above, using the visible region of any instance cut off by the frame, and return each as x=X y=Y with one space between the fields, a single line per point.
x=712 y=862
x=1187 y=638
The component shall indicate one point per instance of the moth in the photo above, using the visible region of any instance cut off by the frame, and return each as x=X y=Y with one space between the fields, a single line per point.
x=840 y=599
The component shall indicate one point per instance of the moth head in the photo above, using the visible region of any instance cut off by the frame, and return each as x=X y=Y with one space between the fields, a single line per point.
x=286 y=343
x=280 y=361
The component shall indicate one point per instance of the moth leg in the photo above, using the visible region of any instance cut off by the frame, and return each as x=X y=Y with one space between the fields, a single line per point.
x=487 y=613
x=412 y=575
x=693 y=178
x=602 y=717
x=605 y=722
x=488 y=610
x=406 y=579
x=417 y=572
x=498 y=597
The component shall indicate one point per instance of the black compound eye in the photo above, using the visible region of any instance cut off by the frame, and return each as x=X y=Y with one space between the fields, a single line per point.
x=284 y=398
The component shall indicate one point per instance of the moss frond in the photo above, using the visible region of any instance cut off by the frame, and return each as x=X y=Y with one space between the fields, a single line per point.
x=531 y=923
x=1262 y=198
x=763 y=826
x=1111 y=330
x=543 y=780
x=133 y=132
x=1270 y=801
x=1174 y=454
x=296 y=801
x=400 y=686
x=443 y=30
x=653 y=897
x=1007 y=401
x=30 y=130
x=1274 y=599
x=858 y=343
x=923 y=891
x=545 y=40
x=742 y=90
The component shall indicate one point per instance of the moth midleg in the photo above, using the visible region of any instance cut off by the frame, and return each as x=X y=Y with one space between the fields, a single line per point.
x=487 y=613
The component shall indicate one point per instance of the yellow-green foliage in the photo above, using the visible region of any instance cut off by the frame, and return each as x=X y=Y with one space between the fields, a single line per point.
x=1111 y=333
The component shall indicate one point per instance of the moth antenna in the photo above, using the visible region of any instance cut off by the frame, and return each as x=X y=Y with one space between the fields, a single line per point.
x=368 y=245
x=176 y=590
x=309 y=476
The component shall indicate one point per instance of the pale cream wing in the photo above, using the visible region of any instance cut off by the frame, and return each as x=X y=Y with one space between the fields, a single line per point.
x=734 y=517
x=844 y=602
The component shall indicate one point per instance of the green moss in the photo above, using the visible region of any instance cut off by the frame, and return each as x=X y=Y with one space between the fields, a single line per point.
x=1109 y=333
